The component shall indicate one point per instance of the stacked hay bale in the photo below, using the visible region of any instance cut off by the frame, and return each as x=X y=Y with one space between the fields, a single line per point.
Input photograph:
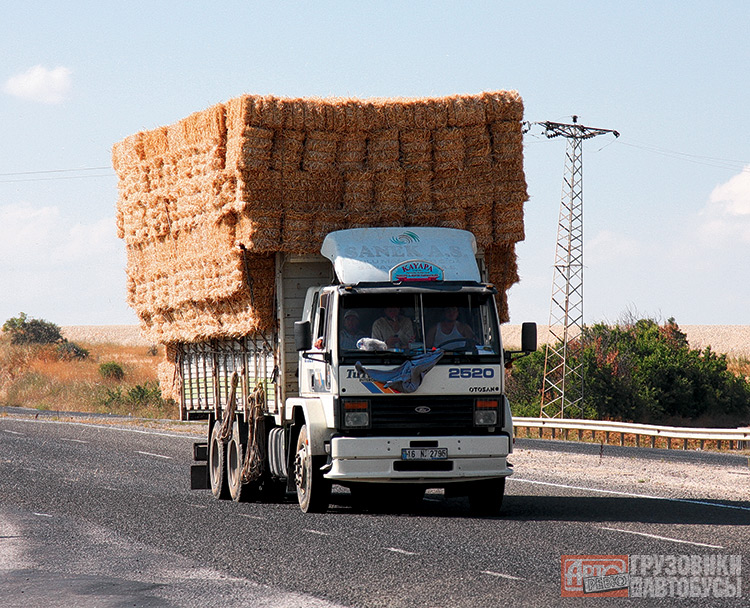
x=213 y=197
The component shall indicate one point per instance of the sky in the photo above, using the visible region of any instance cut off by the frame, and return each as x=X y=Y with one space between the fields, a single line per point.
x=666 y=205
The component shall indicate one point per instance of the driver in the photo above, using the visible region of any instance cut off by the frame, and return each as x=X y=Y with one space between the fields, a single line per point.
x=448 y=329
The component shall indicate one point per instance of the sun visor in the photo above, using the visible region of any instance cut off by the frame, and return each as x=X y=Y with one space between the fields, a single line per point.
x=396 y=254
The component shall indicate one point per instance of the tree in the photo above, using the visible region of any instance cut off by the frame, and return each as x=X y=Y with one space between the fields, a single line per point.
x=641 y=371
x=23 y=330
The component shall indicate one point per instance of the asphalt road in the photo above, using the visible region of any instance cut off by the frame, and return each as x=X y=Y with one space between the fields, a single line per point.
x=101 y=515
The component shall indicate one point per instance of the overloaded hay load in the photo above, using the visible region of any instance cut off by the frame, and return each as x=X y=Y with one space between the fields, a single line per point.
x=225 y=189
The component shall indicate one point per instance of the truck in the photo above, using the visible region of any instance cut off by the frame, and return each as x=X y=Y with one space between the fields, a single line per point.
x=385 y=375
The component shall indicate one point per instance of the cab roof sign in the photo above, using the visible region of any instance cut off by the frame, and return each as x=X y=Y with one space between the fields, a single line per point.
x=376 y=255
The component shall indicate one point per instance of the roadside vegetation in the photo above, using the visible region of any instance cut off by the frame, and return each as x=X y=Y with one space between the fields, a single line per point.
x=40 y=369
x=641 y=371
x=635 y=371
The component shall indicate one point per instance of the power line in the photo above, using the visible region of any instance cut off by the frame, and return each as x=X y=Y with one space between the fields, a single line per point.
x=54 y=171
x=48 y=179
x=16 y=175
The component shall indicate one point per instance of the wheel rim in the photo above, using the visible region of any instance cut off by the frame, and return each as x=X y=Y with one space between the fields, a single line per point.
x=215 y=463
x=300 y=470
x=233 y=463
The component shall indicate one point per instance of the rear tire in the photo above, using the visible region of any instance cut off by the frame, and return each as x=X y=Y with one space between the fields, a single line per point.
x=239 y=492
x=313 y=490
x=486 y=497
x=217 y=470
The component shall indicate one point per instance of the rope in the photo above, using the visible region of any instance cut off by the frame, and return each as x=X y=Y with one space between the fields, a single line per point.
x=256 y=440
x=225 y=432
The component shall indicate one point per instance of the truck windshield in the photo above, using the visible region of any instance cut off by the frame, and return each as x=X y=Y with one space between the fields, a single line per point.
x=415 y=323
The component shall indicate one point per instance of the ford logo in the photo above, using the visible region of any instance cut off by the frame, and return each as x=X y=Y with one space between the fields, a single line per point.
x=422 y=409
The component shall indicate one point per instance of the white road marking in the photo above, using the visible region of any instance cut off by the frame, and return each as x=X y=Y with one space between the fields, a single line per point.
x=154 y=455
x=657 y=537
x=75 y=440
x=501 y=575
x=186 y=435
x=317 y=532
x=253 y=517
x=402 y=551
x=12 y=432
x=618 y=493
x=42 y=514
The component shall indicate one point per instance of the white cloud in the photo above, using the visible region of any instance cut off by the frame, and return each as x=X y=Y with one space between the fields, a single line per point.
x=726 y=217
x=41 y=236
x=41 y=84
x=56 y=268
x=608 y=246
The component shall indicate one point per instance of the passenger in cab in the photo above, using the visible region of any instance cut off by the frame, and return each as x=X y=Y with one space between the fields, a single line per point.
x=449 y=329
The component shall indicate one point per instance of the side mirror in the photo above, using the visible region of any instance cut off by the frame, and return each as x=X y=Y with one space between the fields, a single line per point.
x=302 y=335
x=528 y=337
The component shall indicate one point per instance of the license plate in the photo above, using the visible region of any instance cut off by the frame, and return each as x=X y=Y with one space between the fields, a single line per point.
x=424 y=453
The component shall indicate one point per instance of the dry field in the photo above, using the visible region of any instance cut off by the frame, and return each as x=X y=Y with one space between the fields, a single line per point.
x=733 y=340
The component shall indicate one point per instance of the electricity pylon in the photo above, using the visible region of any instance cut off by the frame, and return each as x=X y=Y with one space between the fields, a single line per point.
x=562 y=390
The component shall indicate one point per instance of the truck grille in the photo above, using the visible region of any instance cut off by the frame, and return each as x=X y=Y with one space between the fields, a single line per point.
x=422 y=415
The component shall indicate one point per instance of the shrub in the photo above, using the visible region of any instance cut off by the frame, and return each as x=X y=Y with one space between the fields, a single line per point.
x=640 y=371
x=23 y=330
x=68 y=351
x=111 y=371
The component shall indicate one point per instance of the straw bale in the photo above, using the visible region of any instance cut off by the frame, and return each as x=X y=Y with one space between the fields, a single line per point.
x=465 y=111
x=256 y=146
x=128 y=153
x=277 y=174
x=352 y=151
x=267 y=111
x=383 y=150
x=168 y=375
x=296 y=231
x=154 y=143
x=479 y=221
x=448 y=149
x=359 y=191
x=287 y=150
x=416 y=149
x=320 y=151
x=502 y=105
x=389 y=194
x=260 y=232
x=202 y=129
x=259 y=190
x=418 y=190
x=453 y=218
x=477 y=145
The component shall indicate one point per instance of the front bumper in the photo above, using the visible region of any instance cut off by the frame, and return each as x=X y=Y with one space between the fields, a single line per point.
x=378 y=459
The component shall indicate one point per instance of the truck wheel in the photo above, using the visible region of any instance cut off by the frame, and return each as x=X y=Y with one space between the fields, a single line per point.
x=217 y=470
x=238 y=491
x=313 y=490
x=486 y=497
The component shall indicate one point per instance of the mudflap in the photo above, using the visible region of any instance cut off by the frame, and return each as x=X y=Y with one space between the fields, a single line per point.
x=199 y=472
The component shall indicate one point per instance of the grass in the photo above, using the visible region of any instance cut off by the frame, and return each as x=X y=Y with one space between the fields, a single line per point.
x=36 y=378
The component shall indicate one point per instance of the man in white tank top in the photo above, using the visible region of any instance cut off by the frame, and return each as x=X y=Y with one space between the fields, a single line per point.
x=448 y=329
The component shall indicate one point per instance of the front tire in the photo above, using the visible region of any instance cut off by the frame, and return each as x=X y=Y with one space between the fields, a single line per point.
x=313 y=490
x=486 y=497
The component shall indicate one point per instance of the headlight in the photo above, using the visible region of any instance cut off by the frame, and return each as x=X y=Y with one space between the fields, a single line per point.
x=485 y=412
x=356 y=414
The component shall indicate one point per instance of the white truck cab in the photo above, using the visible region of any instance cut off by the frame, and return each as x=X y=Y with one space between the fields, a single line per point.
x=401 y=371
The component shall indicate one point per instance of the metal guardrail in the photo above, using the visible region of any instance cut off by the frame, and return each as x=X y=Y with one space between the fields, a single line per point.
x=737 y=438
